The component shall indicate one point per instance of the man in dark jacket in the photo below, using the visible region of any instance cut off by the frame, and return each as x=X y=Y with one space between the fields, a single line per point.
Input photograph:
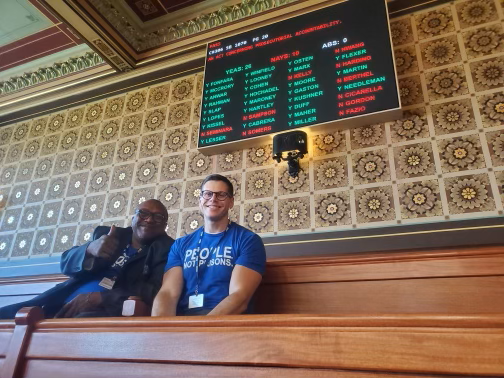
x=117 y=264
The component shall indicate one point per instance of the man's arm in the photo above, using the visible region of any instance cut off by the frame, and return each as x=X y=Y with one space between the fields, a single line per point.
x=244 y=282
x=165 y=303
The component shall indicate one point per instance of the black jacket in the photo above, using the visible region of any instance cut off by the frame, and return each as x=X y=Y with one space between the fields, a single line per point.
x=141 y=276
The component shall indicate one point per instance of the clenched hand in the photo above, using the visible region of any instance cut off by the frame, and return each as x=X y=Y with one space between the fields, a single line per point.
x=106 y=247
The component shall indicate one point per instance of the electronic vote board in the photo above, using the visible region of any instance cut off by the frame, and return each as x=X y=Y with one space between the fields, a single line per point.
x=330 y=65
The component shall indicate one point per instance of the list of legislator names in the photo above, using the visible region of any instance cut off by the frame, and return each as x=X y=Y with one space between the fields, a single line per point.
x=328 y=65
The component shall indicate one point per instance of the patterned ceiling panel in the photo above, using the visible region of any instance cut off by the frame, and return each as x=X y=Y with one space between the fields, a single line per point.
x=148 y=10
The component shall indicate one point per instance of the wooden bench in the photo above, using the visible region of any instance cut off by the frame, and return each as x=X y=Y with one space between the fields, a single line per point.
x=406 y=313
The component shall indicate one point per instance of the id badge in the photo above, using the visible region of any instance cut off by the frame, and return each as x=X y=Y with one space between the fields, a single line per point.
x=107 y=283
x=196 y=301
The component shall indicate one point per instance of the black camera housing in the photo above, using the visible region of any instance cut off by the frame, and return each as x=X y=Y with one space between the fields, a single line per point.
x=295 y=144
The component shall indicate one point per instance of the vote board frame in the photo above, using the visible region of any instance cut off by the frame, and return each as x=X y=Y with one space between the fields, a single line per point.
x=385 y=115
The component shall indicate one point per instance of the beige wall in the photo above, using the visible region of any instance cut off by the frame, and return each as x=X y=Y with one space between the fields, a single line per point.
x=63 y=174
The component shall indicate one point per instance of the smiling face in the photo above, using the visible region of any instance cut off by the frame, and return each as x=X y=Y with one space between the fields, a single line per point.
x=150 y=223
x=212 y=209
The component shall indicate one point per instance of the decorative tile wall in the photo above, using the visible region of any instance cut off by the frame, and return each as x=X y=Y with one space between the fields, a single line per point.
x=64 y=173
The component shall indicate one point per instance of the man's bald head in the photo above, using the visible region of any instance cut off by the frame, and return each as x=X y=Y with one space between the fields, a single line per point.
x=149 y=221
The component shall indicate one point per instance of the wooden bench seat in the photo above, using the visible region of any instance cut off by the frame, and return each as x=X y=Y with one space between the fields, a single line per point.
x=262 y=346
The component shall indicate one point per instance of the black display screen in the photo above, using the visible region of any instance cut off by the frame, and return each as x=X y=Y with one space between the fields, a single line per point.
x=327 y=65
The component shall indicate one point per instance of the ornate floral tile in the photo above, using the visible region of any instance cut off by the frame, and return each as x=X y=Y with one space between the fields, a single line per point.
x=56 y=123
x=25 y=171
x=406 y=60
x=147 y=172
x=57 y=187
x=114 y=107
x=440 y=52
x=329 y=143
x=290 y=185
x=371 y=167
x=260 y=156
x=8 y=174
x=436 y=22
x=139 y=196
x=229 y=161
x=476 y=12
x=154 y=120
x=259 y=183
x=14 y=153
x=488 y=73
x=21 y=131
x=71 y=210
x=50 y=213
x=368 y=136
x=333 y=209
x=172 y=167
x=171 y=227
x=294 y=213
x=491 y=107
x=179 y=114
x=22 y=244
x=196 y=113
x=18 y=195
x=94 y=112
x=31 y=215
x=414 y=160
x=192 y=193
x=3 y=154
x=74 y=118
x=191 y=221
x=401 y=31
x=99 y=180
x=410 y=90
x=453 y=116
x=461 y=153
x=469 y=194
x=93 y=208
x=37 y=191
x=495 y=142
x=117 y=204
x=182 y=89
x=199 y=164
x=43 y=242
x=11 y=219
x=6 y=242
x=448 y=82
x=6 y=135
x=176 y=140
x=236 y=180
x=64 y=240
x=151 y=145
x=69 y=140
x=50 y=144
x=77 y=184
x=85 y=233
x=484 y=41
x=420 y=199
x=37 y=129
x=170 y=195
x=122 y=176
x=63 y=163
x=89 y=135
x=109 y=130
x=158 y=95
x=127 y=150
x=375 y=204
x=32 y=148
x=135 y=102
x=499 y=176
x=104 y=154
x=83 y=159
x=44 y=167
x=132 y=125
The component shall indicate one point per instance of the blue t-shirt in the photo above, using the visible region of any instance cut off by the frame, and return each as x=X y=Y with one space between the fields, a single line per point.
x=218 y=255
x=111 y=272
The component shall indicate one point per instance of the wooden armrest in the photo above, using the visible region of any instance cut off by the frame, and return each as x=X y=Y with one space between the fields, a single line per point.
x=134 y=306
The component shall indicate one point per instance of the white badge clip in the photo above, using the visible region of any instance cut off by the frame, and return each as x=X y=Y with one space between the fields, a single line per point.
x=196 y=301
x=107 y=283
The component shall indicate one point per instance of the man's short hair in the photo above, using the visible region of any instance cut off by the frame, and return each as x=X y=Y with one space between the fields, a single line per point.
x=216 y=177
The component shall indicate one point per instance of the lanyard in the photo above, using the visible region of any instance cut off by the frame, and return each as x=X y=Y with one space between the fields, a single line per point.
x=199 y=249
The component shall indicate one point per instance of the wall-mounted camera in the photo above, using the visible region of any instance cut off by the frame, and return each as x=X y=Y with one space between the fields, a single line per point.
x=295 y=145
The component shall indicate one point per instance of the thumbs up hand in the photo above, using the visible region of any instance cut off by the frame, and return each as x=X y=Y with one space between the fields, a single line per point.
x=106 y=247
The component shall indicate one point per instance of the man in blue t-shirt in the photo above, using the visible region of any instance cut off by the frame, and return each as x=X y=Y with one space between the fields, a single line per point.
x=216 y=269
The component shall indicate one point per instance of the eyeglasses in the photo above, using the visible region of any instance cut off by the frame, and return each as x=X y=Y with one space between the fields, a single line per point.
x=221 y=196
x=156 y=217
